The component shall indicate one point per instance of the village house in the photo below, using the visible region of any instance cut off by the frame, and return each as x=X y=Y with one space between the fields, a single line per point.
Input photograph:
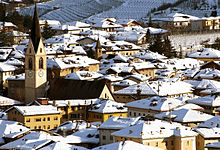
x=35 y=117
x=60 y=67
x=73 y=109
x=150 y=107
x=158 y=134
x=105 y=109
x=114 y=124
x=206 y=54
x=210 y=103
x=206 y=136
x=186 y=117
x=152 y=88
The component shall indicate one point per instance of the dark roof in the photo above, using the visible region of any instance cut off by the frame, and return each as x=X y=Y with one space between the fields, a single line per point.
x=61 y=89
x=35 y=31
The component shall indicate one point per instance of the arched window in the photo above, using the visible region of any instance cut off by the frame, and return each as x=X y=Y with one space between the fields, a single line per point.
x=30 y=65
x=41 y=63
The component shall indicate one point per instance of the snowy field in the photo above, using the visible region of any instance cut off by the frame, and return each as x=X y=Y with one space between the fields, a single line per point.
x=191 y=42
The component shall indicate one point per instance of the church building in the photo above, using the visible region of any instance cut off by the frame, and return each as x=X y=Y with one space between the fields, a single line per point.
x=35 y=64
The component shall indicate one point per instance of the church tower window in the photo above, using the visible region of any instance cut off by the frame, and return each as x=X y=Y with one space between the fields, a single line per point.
x=41 y=63
x=30 y=64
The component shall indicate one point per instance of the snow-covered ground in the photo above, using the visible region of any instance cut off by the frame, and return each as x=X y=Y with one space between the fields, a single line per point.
x=191 y=42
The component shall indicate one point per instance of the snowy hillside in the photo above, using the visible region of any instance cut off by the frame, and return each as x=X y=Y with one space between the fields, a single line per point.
x=71 y=10
x=134 y=9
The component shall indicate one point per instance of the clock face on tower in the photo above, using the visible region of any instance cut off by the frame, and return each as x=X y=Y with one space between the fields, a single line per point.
x=40 y=73
x=30 y=74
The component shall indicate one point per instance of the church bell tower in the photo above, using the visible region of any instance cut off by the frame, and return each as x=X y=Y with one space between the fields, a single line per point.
x=35 y=63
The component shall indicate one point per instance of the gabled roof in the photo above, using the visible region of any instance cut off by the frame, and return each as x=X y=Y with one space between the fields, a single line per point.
x=108 y=106
x=155 y=129
x=211 y=123
x=184 y=116
x=37 y=110
x=75 y=89
x=155 y=103
x=209 y=100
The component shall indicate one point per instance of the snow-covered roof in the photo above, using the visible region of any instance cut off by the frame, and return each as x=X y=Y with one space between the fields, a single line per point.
x=213 y=145
x=157 y=88
x=8 y=127
x=155 y=129
x=209 y=100
x=205 y=53
x=75 y=102
x=61 y=145
x=108 y=106
x=87 y=135
x=5 y=101
x=211 y=123
x=83 y=75
x=119 y=122
x=71 y=62
x=33 y=140
x=184 y=116
x=149 y=55
x=37 y=110
x=127 y=145
x=73 y=125
x=125 y=82
x=6 y=67
x=155 y=103
x=209 y=132
x=207 y=73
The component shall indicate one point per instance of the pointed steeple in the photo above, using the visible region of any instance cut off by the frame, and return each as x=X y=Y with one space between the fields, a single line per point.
x=98 y=44
x=35 y=31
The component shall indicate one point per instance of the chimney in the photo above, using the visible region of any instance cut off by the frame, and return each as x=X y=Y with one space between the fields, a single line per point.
x=177 y=128
x=88 y=124
x=151 y=132
x=161 y=132
x=54 y=102
x=43 y=101
x=130 y=131
x=69 y=103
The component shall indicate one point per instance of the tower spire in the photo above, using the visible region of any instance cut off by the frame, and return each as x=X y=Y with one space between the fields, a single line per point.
x=35 y=31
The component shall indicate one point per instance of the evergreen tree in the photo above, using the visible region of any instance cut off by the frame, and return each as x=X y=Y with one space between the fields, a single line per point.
x=48 y=32
x=6 y=39
x=168 y=49
x=150 y=24
x=148 y=36
x=156 y=45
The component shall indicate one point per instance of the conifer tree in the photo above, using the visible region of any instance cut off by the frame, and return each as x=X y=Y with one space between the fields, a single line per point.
x=156 y=45
x=168 y=48
x=48 y=32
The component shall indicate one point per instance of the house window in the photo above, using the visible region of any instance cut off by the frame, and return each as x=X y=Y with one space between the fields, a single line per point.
x=111 y=137
x=55 y=118
x=48 y=119
x=28 y=120
x=104 y=137
x=48 y=127
x=157 y=144
x=38 y=119
x=134 y=114
x=40 y=50
x=41 y=63
x=30 y=64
